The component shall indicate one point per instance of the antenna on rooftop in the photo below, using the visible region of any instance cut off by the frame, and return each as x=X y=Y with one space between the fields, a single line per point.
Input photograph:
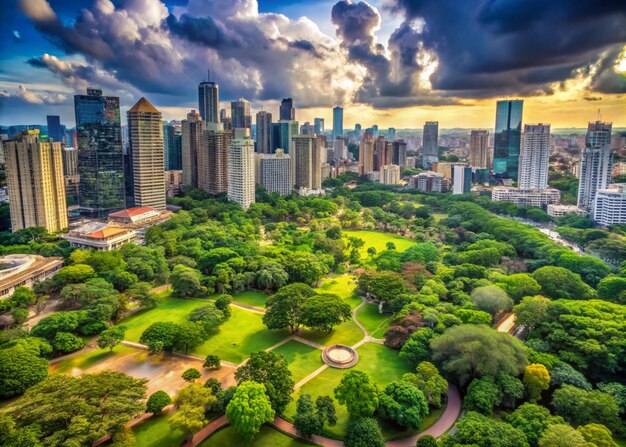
x=599 y=115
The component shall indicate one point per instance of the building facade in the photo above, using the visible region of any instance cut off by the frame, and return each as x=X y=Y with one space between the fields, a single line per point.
x=337 y=122
x=240 y=114
x=172 y=146
x=479 y=149
x=535 y=157
x=390 y=174
x=282 y=135
x=209 y=101
x=241 y=169
x=275 y=172
x=264 y=132
x=213 y=159
x=563 y=210
x=318 y=123
x=507 y=138
x=192 y=142
x=595 y=164
x=536 y=197
x=286 y=111
x=462 y=179
x=366 y=156
x=429 y=182
x=306 y=162
x=36 y=183
x=430 y=144
x=56 y=131
x=610 y=205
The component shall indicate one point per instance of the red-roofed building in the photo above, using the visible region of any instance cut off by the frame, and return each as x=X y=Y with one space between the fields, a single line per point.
x=103 y=238
x=139 y=214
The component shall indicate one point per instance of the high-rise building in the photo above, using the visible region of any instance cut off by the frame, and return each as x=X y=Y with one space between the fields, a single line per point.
x=340 y=149
x=318 y=123
x=337 y=122
x=172 y=146
x=70 y=174
x=264 y=132
x=34 y=171
x=399 y=153
x=213 y=159
x=192 y=141
x=462 y=181
x=595 y=164
x=100 y=156
x=479 y=149
x=209 y=101
x=366 y=156
x=507 y=138
x=56 y=131
x=282 y=134
x=307 y=162
x=534 y=159
x=390 y=174
x=70 y=161
x=226 y=120
x=430 y=182
x=275 y=172
x=240 y=114
x=430 y=144
x=241 y=168
x=307 y=129
x=609 y=206
x=145 y=130
x=391 y=134
x=287 y=112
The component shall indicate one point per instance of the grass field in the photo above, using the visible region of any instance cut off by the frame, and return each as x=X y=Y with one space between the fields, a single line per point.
x=378 y=240
x=347 y=333
x=156 y=432
x=251 y=298
x=341 y=286
x=88 y=359
x=374 y=322
x=303 y=359
x=439 y=216
x=267 y=437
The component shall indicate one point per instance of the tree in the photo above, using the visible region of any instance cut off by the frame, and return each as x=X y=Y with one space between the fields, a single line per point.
x=249 y=408
x=403 y=403
x=428 y=379
x=209 y=316
x=59 y=321
x=611 y=287
x=518 y=285
x=185 y=281
x=323 y=311
x=617 y=391
x=141 y=292
x=563 y=373
x=160 y=336
x=417 y=348
x=189 y=419
x=222 y=303
x=469 y=351
x=191 y=374
x=561 y=435
x=305 y=267
x=363 y=432
x=533 y=420
x=326 y=410
x=68 y=410
x=558 y=282
x=580 y=407
x=426 y=441
x=157 y=401
x=307 y=420
x=19 y=316
x=272 y=371
x=23 y=296
x=598 y=435
x=477 y=430
x=20 y=368
x=189 y=335
x=531 y=311
x=67 y=342
x=491 y=299
x=358 y=393
x=111 y=337
x=482 y=395
x=283 y=309
x=536 y=379
x=212 y=361
x=384 y=286
x=196 y=395
x=75 y=274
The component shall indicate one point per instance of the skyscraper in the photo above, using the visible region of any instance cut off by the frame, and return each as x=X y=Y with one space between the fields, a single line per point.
x=337 y=122
x=479 y=151
x=507 y=138
x=287 y=112
x=192 y=142
x=56 y=131
x=399 y=153
x=213 y=159
x=318 y=123
x=366 y=155
x=282 y=134
x=275 y=172
x=145 y=130
x=172 y=146
x=307 y=162
x=70 y=174
x=534 y=159
x=241 y=168
x=462 y=179
x=209 y=101
x=264 y=132
x=100 y=156
x=240 y=114
x=595 y=164
x=34 y=173
x=430 y=144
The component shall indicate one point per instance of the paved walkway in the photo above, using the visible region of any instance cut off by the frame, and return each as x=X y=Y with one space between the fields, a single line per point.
x=507 y=324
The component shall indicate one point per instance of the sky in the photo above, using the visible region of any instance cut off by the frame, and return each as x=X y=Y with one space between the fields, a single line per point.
x=395 y=63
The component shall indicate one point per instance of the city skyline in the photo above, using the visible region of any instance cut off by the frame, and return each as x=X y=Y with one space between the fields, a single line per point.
x=564 y=86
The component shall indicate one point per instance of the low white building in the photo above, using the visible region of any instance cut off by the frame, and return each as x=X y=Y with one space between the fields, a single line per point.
x=25 y=270
x=99 y=236
x=533 y=197
x=390 y=174
x=610 y=205
x=564 y=210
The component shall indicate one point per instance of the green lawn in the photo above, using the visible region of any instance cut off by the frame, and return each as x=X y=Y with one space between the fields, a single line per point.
x=378 y=240
x=347 y=333
x=439 y=216
x=341 y=286
x=156 y=432
x=88 y=359
x=303 y=359
x=374 y=322
x=267 y=437
x=251 y=298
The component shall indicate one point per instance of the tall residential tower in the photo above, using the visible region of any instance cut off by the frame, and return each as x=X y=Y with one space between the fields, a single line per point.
x=533 y=169
x=209 y=101
x=241 y=168
x=337 y=122
x=595 y=164
x=430 y=144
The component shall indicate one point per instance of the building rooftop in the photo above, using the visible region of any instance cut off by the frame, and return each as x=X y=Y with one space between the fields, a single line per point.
x=134 y=212
x=143 y=105
x=106 y=232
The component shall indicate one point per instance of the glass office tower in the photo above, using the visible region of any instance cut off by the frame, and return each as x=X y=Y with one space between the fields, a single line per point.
x=100 y=157
x=337 y=122
x=507 y=138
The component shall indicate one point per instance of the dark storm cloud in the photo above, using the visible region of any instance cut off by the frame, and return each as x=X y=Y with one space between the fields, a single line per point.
x=496 y=47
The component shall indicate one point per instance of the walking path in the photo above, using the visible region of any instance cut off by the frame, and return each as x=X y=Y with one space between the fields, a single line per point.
x=507 y=324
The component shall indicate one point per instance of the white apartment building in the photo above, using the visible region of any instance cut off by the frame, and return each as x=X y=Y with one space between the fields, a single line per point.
x=563 y=210
x=610 y=205
x=595 y=164
x=535 y=156
x=535 y=197
x=390 y=174
x=241 y=168
x=274 y=172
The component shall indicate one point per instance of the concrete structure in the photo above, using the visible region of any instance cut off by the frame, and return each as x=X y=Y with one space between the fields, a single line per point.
x=337 y=122
x=366 y=156
x=146 y=153
x=390 y=174
x=444 y=168
x=99 y=236
x=462 y=179
x=610 y=205
x=535 y=156
x=318 y=123
x=619 y=168
x=429 y=182
x=507 y=139
x=286 y=111
x=173 y=183
x=240 y=114
x=172 y=146
x=264 y=132
x=596 y=163
x=213 y=159
x=537 y=197
x=241 y=169
x=282 y=135
x=479 y=149
x=274 y=172
x=209 y=101
x=564 y=210
x=430 y=144
x=192 y=139
x=399 y=153
x=34 y=171
x=24 y=271
x=411 y=162
x=306 y=162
